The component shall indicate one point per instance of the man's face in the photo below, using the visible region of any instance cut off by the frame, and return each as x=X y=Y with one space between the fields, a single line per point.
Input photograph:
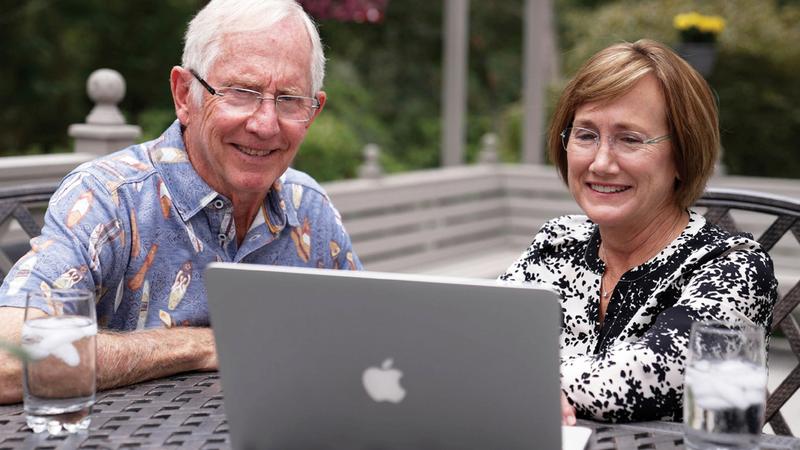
x=240 y=156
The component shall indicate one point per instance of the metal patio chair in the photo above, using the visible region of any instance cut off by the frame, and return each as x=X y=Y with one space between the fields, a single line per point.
x=25 y=205
x=784 y=214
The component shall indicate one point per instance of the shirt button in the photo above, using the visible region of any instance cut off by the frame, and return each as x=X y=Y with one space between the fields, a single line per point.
x=219 y=204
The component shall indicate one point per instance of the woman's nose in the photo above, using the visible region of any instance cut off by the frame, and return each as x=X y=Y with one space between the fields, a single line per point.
x=604 y=157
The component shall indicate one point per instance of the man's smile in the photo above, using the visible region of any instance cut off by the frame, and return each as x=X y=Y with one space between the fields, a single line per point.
x=250 y=151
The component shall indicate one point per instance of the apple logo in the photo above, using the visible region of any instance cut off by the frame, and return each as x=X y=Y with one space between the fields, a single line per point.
x=383 y=383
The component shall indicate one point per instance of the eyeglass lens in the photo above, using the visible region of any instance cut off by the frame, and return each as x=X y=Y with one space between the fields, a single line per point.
x=577 y=139
x=246 y=102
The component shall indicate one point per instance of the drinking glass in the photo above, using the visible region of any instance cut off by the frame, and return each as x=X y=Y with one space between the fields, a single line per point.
x=59 y=371
x=725 y=386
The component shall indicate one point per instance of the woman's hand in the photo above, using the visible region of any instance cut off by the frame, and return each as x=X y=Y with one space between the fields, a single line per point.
x=567 y=411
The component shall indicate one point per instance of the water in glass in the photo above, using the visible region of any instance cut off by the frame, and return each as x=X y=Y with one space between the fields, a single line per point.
x=724 y=392
x=59 y=374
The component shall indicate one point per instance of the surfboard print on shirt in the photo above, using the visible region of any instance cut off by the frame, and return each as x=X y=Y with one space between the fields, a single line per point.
x=302 y=240
x=179 y=286
x=136 y=282
x=79 y=209
x=67 y=187
x=144 y=306
x=169 y=155
x=164 y=198
x=22 y=275
x=71 y=277
x=102 y=235
x=297 y=195
x=135 y=241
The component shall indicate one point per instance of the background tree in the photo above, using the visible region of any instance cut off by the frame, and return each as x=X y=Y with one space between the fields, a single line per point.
x=384 y=74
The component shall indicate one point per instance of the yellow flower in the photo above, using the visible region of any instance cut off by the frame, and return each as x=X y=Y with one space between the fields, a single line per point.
x=686 y=20
x=712 y=24
x=704 y=24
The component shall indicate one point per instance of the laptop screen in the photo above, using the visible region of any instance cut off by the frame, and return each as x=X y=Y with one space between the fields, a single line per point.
x=313 y=358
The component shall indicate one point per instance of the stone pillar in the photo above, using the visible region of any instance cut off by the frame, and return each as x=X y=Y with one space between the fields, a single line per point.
x=454 y=81
x=539 y=67
x=105 y=130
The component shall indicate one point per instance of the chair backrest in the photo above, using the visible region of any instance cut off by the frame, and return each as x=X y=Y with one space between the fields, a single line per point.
x=24 y=205
x=782 y=219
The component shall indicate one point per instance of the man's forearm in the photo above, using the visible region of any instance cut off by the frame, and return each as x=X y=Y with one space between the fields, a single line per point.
x=10 y=379
x=127 y=358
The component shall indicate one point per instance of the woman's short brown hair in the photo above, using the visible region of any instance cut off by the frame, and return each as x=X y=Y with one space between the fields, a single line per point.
x=691 y=110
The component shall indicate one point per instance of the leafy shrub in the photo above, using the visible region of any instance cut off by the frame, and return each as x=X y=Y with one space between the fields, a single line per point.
x=330 y=151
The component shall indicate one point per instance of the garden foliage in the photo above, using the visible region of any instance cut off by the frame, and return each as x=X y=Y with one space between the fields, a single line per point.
x=384 y=79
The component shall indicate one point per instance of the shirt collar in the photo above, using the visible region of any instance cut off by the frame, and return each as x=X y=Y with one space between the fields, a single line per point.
x=190 y=193
x=592 y=257
x=278 y=210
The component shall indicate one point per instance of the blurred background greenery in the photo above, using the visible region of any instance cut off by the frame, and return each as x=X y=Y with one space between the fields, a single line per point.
x=384 y=79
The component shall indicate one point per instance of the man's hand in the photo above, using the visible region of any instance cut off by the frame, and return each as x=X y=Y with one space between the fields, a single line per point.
x=567 y=411
x=122 y=358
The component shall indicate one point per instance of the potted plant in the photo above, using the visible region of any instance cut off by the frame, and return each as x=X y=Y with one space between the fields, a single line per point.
x=698 y=35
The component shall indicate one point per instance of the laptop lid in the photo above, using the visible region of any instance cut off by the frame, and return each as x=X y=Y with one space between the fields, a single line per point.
x=319 y=359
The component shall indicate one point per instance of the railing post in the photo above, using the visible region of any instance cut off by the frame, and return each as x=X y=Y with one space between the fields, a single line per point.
x=488 y=153
x=105 y=129
x=371 y=168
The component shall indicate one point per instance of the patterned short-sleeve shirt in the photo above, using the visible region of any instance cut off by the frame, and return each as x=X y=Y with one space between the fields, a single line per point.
x=631 y=368
x=139 y=226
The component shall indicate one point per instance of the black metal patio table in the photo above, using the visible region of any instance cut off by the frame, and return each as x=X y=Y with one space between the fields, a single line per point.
x=186 y=411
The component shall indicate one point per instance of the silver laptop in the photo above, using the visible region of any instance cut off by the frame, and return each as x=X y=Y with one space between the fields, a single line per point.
x=323 y=359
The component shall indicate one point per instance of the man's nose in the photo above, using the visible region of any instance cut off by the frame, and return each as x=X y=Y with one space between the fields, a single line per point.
x=264 y=120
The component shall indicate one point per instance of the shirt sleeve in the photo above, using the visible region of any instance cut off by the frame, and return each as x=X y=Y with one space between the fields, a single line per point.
x=551 y=244
x=81 y=239
x=642 y=379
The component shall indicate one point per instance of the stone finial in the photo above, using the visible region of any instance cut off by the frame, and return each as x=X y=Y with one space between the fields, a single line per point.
x=105 y=129
x=488 y=153
x=371 y=168
x=106 y=88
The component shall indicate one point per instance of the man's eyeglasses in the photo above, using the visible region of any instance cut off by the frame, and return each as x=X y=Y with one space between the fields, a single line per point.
x=294 y=108
x=583 y=141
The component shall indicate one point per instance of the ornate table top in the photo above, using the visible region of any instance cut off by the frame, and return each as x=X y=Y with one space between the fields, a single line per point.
x=186 y=411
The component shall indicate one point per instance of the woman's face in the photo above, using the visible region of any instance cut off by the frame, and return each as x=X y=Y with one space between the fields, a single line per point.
x=617 y=188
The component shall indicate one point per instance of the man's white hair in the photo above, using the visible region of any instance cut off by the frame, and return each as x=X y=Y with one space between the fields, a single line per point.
x=220 y=17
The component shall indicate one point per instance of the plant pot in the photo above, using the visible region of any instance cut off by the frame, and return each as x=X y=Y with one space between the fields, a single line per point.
x=701 y=55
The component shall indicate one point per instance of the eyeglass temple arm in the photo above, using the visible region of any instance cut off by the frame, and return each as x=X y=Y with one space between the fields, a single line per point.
x=203 y=82
x=656 y=140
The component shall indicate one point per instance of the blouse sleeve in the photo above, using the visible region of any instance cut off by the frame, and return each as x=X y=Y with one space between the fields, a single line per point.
x=642 y=379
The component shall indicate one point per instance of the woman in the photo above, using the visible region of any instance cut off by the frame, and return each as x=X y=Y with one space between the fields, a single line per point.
x=635 y=137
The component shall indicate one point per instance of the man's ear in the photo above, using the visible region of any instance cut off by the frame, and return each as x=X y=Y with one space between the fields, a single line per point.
x=180 y=80
x=322 y=97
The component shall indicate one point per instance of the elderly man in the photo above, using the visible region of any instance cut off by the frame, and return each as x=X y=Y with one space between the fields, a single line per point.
x=139 y=226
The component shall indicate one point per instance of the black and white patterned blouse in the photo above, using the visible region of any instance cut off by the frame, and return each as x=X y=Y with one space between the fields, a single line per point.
x=631 y=369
